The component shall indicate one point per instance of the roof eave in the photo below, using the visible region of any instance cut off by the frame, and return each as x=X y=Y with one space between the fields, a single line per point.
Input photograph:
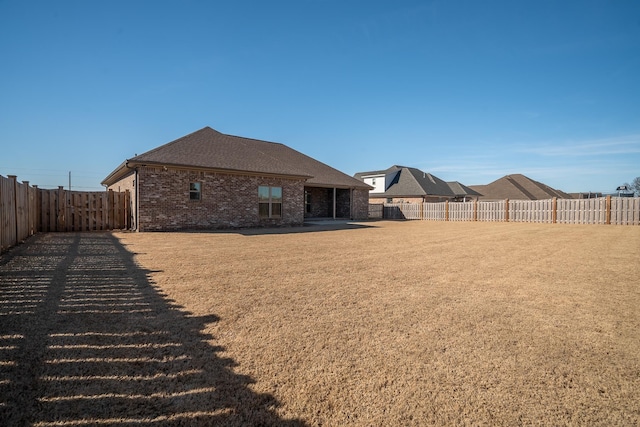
x=130 y=164
x=117 y=174
x=342 y=186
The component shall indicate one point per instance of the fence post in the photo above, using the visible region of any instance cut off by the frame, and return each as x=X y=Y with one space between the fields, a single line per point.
x=475 y=210
x=111 y=209
x=61 y=209
x=554 y=210
x=28 y=208
x=14 y=179
x=446 y=210
x=38 y=213
x=608 y=211
x=506 y=210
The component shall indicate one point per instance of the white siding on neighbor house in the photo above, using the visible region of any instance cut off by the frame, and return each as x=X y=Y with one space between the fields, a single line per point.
x=377 y=182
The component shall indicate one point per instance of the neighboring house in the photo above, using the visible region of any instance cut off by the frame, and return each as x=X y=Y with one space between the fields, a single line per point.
x=462 y=192
x=586 y=195
x=400 y=184
x=518 y=187
x=209 y=180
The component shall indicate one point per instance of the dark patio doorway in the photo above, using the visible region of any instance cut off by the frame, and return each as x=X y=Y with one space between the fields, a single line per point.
x=321 y=202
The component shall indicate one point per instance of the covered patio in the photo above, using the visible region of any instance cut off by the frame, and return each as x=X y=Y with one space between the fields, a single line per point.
x=330 y=202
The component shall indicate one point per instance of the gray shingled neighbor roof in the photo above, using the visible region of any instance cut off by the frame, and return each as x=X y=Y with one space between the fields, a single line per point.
x=461 y=189
x=517 y=187
x=210 y=149
x=410 y=182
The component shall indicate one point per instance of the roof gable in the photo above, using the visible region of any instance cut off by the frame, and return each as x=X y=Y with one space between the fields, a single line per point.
x=362 y=175
x=404 y=181
x=431 y=184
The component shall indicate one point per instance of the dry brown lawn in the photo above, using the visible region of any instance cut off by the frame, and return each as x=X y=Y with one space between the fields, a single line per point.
x=402 y=323
x=382 y=323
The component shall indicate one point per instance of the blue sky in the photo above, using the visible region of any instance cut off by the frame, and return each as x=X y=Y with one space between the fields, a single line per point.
x=466 y=90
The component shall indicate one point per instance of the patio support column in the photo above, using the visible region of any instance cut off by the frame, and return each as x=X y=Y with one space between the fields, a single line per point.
x=334 y=202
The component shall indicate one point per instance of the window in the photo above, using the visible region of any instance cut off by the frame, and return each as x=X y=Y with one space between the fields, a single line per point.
x=269 y=202
x=307 y=202
x=194 y=191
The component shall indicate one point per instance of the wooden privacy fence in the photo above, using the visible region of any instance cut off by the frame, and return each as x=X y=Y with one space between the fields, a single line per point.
x=25 y=210
x=18 y=211
x=62 y=210
x=606 y=210
x=376 y=210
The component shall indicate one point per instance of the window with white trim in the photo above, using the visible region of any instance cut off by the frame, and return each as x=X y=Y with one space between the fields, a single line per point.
x=195 y=191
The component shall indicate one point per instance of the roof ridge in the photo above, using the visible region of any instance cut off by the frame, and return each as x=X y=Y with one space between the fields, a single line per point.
x=250 y=139
x=153 y=150
x=429 y=182
x=242 y=140
x=520 y=187
x=208 y=148
x=545 y=187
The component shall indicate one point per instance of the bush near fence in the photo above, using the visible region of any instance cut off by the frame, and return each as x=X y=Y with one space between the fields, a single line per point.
x=25 y=210
x=605 y=210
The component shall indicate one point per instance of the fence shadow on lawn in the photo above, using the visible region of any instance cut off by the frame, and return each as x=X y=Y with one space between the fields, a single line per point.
x=86 y=339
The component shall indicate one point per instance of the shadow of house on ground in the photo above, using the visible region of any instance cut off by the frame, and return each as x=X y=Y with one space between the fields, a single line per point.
x=308 y=227
x=85 y=339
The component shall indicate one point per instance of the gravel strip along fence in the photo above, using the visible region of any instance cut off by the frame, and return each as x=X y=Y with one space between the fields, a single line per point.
x=86 y=339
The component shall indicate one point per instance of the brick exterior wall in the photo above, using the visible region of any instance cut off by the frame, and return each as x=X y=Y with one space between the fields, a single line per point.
x=227 y=200
x=128 y=183
x=360 y=204
x=343 y=203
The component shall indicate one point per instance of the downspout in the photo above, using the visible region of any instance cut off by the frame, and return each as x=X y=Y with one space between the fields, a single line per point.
x=136 y=192
x=136 y=215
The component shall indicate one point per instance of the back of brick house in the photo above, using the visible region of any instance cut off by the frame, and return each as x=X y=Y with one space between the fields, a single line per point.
x=209 y=180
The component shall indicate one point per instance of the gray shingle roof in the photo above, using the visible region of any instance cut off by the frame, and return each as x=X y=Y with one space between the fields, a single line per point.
x=461 y=189
x=518 y=187
x=210 y=149
x=414 y=181
x=410 y=182
x=361 y=175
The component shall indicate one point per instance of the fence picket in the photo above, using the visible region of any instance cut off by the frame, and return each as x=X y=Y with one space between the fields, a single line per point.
x=621 y=211
x=25 y=210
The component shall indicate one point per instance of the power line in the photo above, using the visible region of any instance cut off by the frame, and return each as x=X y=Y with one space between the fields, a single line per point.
x=49 y=171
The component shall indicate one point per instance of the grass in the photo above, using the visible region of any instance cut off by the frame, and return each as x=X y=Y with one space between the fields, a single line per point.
x=400 y=323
